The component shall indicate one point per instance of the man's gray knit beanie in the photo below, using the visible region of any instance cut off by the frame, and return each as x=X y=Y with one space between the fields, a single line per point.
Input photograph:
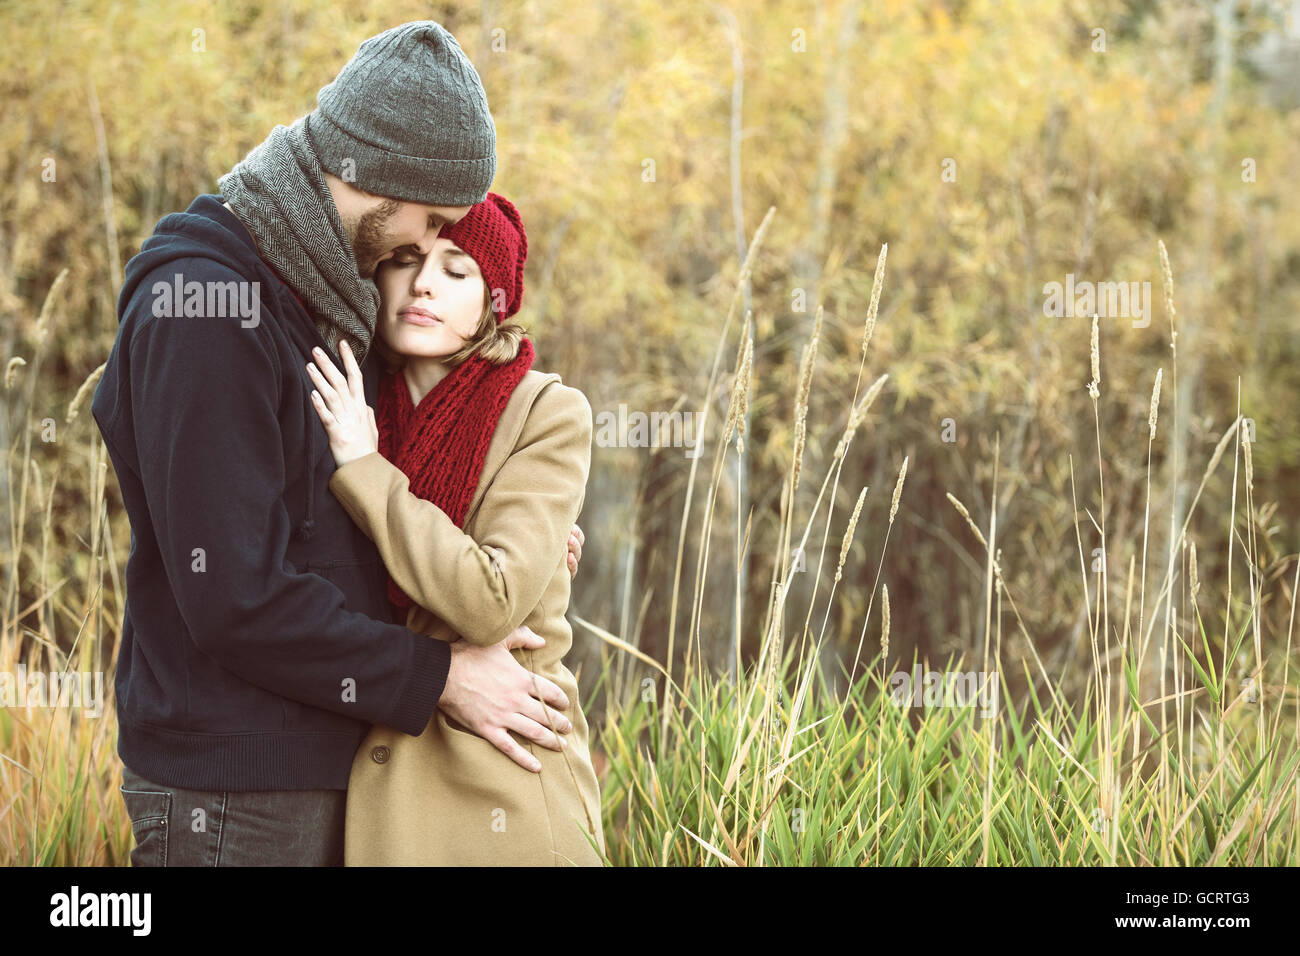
x=407 y=118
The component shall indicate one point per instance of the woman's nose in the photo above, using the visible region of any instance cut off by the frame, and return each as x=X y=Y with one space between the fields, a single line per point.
x=422 y=285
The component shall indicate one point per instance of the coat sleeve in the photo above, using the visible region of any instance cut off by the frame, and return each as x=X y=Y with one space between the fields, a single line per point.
x=483 y=588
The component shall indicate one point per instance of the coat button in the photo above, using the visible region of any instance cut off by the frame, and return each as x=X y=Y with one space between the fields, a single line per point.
x=379 y=754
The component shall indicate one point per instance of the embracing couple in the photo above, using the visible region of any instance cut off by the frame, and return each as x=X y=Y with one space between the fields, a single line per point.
x=352 y=515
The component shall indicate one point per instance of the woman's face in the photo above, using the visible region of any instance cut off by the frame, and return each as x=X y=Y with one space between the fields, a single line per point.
x=430 y=306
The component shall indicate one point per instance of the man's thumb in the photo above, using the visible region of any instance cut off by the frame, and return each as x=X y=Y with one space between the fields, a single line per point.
x=524 y=637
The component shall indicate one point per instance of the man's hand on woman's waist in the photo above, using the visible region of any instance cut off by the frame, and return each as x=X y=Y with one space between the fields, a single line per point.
x=489 y=692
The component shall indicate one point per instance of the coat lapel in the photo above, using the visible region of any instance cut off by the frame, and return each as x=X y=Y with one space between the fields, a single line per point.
x=506 y=435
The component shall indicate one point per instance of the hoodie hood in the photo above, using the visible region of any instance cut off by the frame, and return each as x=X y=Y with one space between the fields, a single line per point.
x=207 y=230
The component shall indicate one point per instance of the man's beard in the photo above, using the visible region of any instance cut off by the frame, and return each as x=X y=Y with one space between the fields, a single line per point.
x=370 y=240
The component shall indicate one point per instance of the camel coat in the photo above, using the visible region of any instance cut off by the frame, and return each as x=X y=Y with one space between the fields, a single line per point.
x=448 y=797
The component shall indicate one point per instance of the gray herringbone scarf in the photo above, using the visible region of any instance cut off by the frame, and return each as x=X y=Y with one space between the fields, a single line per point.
x=279 y=193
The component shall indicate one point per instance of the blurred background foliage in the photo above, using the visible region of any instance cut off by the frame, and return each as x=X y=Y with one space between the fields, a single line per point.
x=643 y=142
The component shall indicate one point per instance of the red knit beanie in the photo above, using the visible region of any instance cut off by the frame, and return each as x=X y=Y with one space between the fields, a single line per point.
x=493 y=234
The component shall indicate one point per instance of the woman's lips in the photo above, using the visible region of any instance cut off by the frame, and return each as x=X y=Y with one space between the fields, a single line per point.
x=418 y=317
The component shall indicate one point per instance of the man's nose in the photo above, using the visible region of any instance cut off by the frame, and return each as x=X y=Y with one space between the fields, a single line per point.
x=426 y=241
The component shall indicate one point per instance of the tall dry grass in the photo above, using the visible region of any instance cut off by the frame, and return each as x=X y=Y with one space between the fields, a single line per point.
x=783 y=766
x=59 y=770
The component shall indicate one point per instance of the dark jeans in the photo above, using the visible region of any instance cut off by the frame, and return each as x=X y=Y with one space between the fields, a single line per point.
x=178 y=827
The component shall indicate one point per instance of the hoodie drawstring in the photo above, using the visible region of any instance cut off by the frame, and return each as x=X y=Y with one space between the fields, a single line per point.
x=308 y=526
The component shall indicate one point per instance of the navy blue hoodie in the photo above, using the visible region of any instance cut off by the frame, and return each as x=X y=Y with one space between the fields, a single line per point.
x=258 y=644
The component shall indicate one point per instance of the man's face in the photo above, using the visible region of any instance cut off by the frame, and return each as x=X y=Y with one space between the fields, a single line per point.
x=392 y=224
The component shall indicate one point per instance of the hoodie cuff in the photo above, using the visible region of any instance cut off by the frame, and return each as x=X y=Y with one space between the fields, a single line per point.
x=419 y=699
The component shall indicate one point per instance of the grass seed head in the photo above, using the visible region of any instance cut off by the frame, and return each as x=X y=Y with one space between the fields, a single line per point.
x=877 y=284
x=1155 y=404
x=1093 y=389
x=884 y=624
x=88 y=386
x=848 y=534
x=898 y=491
x=11 y=371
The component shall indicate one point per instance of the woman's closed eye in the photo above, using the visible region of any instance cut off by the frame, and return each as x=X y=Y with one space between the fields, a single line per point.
x=405 y=262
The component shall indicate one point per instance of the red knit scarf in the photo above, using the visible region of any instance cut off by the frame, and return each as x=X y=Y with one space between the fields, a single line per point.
x=441 y=445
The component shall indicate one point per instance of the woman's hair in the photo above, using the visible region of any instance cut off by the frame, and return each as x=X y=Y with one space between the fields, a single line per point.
x=498 y=343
